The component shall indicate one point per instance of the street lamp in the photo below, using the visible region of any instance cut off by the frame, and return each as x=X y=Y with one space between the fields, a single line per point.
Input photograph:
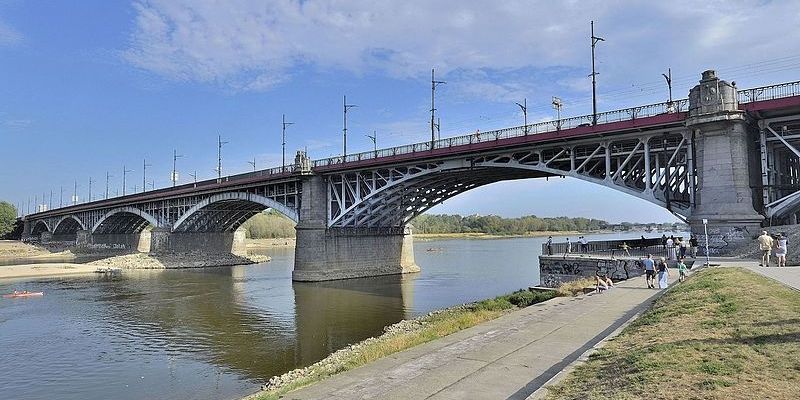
x=219 y=158
x=595 y=39
x=374 y=138
x=283 y=142
x=144 y=174
x=107 y=178
x=705 y=231
x=344 y=131
x=524 y=107
x=124 y=176
x=434 y=125
x=253 y=163
x=557 y=104
x=668 y=77
x=175 y=157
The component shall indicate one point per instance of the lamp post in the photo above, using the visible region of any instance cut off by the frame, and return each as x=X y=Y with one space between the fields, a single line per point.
x=705 y=231
x=557 y=104
x=344 y=130
x=124 y=176
x=175 y=157
x=107 y=180
x=144 y=174
x=253 y=163
x=374 y=138
x=90 y=188
x=524 y=107
x=595 y=39
x=434 y=125
x=668 y=77
x=283 y=141
x=219 y=158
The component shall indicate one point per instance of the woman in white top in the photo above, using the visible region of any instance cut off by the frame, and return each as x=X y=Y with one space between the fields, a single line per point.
x=780 y=250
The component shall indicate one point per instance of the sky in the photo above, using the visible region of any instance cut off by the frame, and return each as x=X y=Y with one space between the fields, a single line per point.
x=99 y=86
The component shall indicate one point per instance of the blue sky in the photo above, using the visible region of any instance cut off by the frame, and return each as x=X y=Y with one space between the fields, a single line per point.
x=92 y=86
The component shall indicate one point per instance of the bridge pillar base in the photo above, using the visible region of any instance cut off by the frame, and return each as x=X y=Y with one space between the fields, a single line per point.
x=164 y=241
x=128 y=241
x=331 y=254
x=83 y=238
x=46 y=237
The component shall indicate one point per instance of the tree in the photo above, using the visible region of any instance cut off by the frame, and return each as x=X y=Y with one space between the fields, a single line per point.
x=8 y=217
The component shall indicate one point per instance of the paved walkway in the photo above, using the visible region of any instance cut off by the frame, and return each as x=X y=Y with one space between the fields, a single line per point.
x=507 y=358
x=789 y=276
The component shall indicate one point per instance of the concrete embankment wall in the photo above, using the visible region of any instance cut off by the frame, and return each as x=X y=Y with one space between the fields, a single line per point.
x=555 y=270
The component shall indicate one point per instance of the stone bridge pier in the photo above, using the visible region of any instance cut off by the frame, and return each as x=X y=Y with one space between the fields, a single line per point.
x=726 y=166
x=340 y=253
x=163 y=240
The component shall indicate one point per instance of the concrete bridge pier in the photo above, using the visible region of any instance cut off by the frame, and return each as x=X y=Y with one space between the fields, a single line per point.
x=724 y=169
x=323 y=254
x=45 y=237
x=163 y=240
x=128 y=241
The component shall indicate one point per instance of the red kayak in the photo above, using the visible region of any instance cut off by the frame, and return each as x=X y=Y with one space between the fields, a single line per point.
x=23 y=294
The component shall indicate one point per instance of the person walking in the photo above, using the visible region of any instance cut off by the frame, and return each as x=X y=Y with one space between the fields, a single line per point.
x=765 y=243
x=584 y=244
x=683 y=245
x=549 y=245
x=568 y=249
x=780 y=250
x=681 y=270
x=649 y=271
x=693 y=246
x=671 y=248
x=663 y=274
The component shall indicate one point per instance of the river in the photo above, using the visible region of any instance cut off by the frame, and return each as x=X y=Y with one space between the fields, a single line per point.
x=219 y=333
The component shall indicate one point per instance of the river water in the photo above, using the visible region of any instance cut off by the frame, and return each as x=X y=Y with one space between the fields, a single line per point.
x=219 y=333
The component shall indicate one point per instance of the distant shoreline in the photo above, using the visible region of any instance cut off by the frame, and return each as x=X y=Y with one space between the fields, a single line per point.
x=479 y=235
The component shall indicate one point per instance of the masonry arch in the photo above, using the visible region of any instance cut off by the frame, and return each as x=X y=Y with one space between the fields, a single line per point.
x=124 y=220
x=226 y=212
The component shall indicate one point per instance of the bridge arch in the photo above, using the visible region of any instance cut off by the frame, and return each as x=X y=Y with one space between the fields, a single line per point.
x=226 y=212
x=40 y=227
x=68 y=224
x=653 y=167
x=124 y=220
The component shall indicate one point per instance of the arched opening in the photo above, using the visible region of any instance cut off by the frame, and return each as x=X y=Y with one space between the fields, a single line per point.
x=67 y=228
x=38 y=228
x=124 y=228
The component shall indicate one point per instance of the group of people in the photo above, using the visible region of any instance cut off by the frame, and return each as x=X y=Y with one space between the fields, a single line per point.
x=568 y=248
x=678 y=249
x=768 y=244
x=659 y=266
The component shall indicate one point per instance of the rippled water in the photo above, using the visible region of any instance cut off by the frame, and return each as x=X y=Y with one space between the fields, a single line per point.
x=219 y=333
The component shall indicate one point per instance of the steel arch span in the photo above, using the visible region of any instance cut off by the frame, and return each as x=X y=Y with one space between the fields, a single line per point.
x=226 y=212
x=68 y=224
x=124 y=220
x=656 y=166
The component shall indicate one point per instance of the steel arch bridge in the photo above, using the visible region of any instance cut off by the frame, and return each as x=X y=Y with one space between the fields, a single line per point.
x=696 y=157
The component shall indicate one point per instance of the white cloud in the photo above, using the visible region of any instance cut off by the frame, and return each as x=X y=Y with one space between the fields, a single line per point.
x=8 y=35
x=253 y=45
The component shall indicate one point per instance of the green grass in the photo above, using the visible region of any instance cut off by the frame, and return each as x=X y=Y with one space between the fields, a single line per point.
x=430 y=327
x=725 y=333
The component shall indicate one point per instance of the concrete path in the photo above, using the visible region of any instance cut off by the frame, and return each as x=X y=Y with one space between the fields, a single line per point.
x=789 y=276
x=507 y=358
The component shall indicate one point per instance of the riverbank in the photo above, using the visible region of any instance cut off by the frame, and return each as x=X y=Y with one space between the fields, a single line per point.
x=407 y=334
x=726 y=333
x=13 y=249
x=270 y=243
x=44 y=270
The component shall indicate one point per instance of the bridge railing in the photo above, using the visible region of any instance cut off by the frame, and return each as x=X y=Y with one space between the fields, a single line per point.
x=613 y=248
x=625 y=114
x=771 y=92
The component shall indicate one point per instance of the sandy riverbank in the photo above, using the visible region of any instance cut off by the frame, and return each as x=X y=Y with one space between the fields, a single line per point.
x=44 y=270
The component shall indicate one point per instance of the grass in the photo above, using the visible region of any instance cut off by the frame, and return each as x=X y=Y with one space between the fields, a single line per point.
x=725 y=333
x=427 y=328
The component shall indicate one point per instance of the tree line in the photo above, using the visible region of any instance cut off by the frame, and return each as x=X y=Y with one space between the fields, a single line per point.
x=496 y=225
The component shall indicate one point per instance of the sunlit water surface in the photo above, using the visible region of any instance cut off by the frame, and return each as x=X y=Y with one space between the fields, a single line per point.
x=219 y=333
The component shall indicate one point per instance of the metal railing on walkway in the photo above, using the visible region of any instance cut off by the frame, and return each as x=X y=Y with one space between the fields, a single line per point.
x=612 y=248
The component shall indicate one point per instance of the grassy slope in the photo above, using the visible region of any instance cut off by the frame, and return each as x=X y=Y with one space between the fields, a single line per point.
x=725 y=333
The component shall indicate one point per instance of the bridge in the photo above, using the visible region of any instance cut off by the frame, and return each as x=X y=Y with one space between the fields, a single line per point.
x=725 y=155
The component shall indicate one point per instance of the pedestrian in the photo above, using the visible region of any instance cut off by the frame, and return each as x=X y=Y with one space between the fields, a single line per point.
x=681 y=270
x=671 y=248
x=584 y=244
x=600 y=282
x=765 y=243
x=780 y=250
x=649 y=271
x=684 y=247
x=663 y=274
x=624 y=246
x=568 y=248
x=549 y=245
x=693 y=246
